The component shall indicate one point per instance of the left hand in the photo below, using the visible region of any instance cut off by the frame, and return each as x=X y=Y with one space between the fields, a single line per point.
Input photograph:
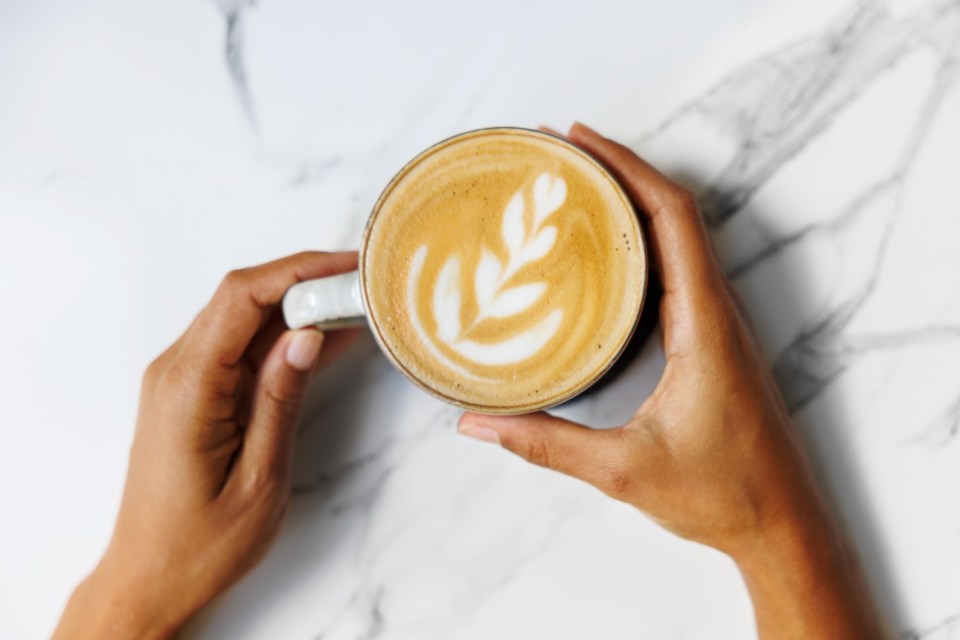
x=209 y=474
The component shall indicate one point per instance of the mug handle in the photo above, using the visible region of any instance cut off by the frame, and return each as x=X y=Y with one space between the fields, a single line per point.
x=325 y=303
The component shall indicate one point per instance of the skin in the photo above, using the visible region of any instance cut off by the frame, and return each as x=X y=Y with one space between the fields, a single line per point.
x=710 y=455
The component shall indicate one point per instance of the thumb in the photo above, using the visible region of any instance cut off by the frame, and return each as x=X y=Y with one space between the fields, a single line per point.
x=591 y=455
x=283 y=377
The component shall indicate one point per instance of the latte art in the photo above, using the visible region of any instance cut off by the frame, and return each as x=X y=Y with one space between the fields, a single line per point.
x=494 y=299
x=504 y=270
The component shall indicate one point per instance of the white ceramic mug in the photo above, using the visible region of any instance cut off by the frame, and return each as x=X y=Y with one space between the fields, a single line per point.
x=341 y=301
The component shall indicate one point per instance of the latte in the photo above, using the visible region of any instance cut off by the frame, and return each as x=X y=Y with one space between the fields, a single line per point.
x=503 y=270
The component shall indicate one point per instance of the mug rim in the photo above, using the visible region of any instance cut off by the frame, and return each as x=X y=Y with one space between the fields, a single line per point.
x=587 y=383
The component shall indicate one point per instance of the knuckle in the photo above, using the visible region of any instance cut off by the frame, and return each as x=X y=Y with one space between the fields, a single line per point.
x=618 y=484
x=234 y=279
x=175 y=375
x=619 y=468
x=624 y=153
x=154 y=370
x=263 y=483
x=266 y=490
x=281 y=405
x=536 y=451
x=617 y=481
x=684 y=198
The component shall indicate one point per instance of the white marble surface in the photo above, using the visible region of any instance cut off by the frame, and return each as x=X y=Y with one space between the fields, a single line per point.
x=147 y=148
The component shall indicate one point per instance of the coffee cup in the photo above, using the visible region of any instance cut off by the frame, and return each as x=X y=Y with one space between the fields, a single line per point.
x=502 y=270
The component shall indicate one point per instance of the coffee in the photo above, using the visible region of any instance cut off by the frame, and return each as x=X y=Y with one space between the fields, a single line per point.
x=504 y=270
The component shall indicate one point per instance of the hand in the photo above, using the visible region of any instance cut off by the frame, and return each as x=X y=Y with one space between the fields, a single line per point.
x=710 y=455
x=209 y=474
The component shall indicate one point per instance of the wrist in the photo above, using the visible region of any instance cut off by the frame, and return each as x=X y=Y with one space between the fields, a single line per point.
x=789 y=529
x=103 y=607
x=795 y=544
x=802 y=575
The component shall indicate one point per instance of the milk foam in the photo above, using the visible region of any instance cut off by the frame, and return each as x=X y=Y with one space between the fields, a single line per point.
x=507 y=270
x=494 y=298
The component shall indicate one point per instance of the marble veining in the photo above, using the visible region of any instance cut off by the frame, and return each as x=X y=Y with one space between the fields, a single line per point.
x=233 y=15
x=774 y=108
x=825 y=164
x=945 y=630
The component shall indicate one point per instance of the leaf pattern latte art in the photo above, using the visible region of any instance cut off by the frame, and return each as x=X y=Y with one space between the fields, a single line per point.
x=494 y=297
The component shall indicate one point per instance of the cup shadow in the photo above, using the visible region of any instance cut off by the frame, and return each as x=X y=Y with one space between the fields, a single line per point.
x=822 y=424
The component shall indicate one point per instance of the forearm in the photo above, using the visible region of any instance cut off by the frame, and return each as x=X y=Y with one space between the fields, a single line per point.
x=805 y=582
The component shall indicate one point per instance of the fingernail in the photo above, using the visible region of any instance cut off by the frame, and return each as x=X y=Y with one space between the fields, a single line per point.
x=477 y=432
x=304 y=348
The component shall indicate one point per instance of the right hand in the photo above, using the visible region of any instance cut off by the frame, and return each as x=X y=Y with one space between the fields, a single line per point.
x=710 y=455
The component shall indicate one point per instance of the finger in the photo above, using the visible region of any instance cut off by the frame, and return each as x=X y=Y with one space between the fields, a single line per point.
x=246 y=298
x=587 y=454
x=551 y=131
x=336 y=342
x=678 y=238
x=268 y=444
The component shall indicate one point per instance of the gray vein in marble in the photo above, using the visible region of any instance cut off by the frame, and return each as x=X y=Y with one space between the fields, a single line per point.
x=947 y=629
x=315 y=171
x=896 y=340
x=377 y=620
x=806 y=86
x=371 y=601
x=812 y=361
x=326 y=479
x=365 y=605
x=234 y=12
x=815 y=348
x=373 y=470
x=778 y=104
x=847 y=215
x=816 y=358
x=375 y=617
x=944 y=431
x=951 y=422
x=409 y=447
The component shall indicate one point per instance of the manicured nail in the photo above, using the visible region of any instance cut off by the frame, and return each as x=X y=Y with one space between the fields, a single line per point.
x=477 y=432
x=304 y=348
